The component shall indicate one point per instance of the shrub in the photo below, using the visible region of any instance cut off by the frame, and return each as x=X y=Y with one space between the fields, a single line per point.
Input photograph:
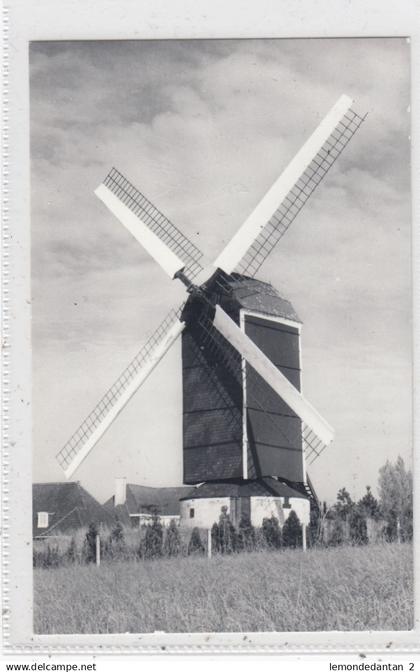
x=71 y=552
x=246 y=535
x=89 y=546
x=292 y=531
x=215 y=539
x=47 y=557
x=115 y=547
x=153 y=541
x=172 y=545
x=227 y=534
x=314 y=528
x=272 y=532
x=117 y=533
x=358 y=527
x=195 y=546
x=336 y=535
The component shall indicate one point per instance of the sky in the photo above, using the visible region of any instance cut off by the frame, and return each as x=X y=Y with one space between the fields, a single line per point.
x=203 y=128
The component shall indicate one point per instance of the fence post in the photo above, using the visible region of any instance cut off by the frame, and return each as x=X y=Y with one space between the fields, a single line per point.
x=398 y=530
x=303 y=537
x=98 y=550
x=209 y=543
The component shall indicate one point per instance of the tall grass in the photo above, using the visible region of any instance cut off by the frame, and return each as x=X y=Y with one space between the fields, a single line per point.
x=344 y=588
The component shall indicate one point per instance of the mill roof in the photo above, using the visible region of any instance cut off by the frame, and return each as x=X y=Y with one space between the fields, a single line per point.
x=262 y=297
x=256 y=488
x=69 y=507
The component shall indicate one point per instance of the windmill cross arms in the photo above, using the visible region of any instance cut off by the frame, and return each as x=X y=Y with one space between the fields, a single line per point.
x=112 y=403
x=272 y=217
x=162 y=239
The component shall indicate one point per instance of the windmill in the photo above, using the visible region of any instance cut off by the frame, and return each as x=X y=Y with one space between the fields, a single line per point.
x=246 y=422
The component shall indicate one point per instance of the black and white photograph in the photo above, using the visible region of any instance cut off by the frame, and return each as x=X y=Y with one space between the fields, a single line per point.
x=221 y=316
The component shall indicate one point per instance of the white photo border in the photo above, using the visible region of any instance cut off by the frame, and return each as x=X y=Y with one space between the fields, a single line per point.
x=28 y=20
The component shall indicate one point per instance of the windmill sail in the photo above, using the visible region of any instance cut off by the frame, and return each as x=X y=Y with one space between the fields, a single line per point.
x=261 y=231
x=246 y=252
x=112 y=403
x=164 y=242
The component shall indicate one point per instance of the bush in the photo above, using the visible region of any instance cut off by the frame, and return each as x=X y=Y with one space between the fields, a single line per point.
x=172 y=545
x=314 y=528
x=215 y=540
x=47 y=558
x=115 y=547
x=71 y=553
x=336 y=536
x=227 y=534
x=272 y=532
x=195 y=546
x=153 y=542
x=246 y=535
x=89 y=546
x=358 y=527
x=292 y=531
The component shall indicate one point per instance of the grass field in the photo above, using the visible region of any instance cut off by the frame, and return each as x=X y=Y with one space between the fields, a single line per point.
x=347 y=588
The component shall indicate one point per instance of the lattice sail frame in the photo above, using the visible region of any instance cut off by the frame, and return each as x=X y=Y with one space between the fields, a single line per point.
x=168 y=233
x=92 y=422
x=290 y=207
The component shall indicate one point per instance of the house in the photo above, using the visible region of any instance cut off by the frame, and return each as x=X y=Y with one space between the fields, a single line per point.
x=200 y=506
x=62 y=508
x=137 y=505
x=255 y=499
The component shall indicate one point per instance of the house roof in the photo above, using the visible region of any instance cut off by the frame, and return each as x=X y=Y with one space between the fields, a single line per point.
x=257 y=488
x=146 y=499
x=69 y=507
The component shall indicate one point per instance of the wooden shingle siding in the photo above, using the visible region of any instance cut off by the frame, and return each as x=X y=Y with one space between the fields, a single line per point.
x=213 y=402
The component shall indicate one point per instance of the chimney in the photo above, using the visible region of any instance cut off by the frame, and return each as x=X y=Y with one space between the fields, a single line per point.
x=120 y=491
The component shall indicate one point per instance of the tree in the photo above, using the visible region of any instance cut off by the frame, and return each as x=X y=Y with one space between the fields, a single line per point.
x=292 y=531
x=195 y=546
x=116 y=546
x=338 y=518
x=336 y=532
x=369 y=505
x=215 y=538
x=314 y=527
x=358 y=526
x=71 y=552
x=227 y=535
x=89 y=546
x=172 y=545
x=272 y=533
x=366 y=507
x=395 y=487
x=344 y=505
x=246 y=535
x=154 y=540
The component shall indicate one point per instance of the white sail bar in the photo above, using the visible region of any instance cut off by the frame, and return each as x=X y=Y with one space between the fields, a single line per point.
x=100 y=419
x=272 y=376
x=160 y=252
x=254 y=224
